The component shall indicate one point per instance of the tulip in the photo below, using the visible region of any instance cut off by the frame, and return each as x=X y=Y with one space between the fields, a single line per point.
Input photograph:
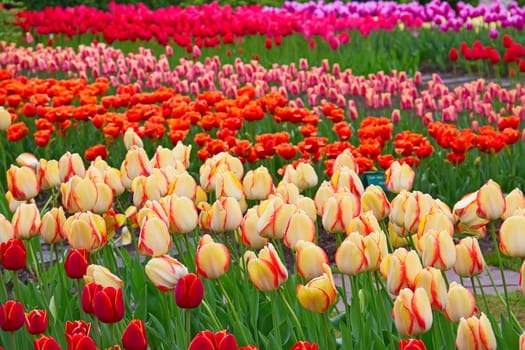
x=22 y=183
x=469 y=259
x=101 y=275
x=412 y=344
x=358 y=253
x=432 y=281
x=51 y=227
x=491 y=201
x=412 y=312
x=154 y=208
x=466 y=211
x=347 y=179
x=108 y=304
x=416 y=206
x=134 y=336
x=88 y=293
x=474 y=333
x=513 y=201
x=399 y=177
x=136 y=163
x=249 y=235
x=151 y=187
x=438 y=250
x=189 y=291
x=182 y=153
x=435 y=220
x=266 y=271
x=47 y=174
x=36 y=321
x=85 y=231
x=219 y=162
x=304 y=345
x=77 y=327
x=365 y=223
x=226 y=215
x=299 y=227
x=78 y=194
x=511 y=233
x=5 y=119
x=307 y=204
x=182 y=214
x=80 y=342
x=27 y=159
x=6 y=229
x=306 y=176
x=258 y=184
x=26 y=221
x=76 y=263
x=310 y=259
x=400 y=269
x=70 y=165
x=131 y=138
x=207 y=340
x=318 y=294
x=164 y=272
x=288 y=191
x=212 y=258
x=345 y=159
x=339 y=210
x=154 y=237
x=45 y=342
x=164 y=158
x=324 y=192
x=252 y=347
x=104 y=200
x=460 y=303
x=184 y=185
x=12 y=316
x=374 y=199
x=228 y=185
x=13 y=254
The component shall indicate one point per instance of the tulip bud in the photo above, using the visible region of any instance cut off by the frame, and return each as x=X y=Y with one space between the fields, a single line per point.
x=189 y=291
x=400 y=269
x=469 y=259
x=365 y=223
x=513 y=201
x=51 y=227
x=182 y=214
x=182 y=153
x=300 y=227
x=249 y=235
x=212 y=258
x=258 y=184
x=399 y=177
x=154 y=237
x=324 y=192
x=131 y=138
x=36 y=321
x=266 y=271
x=101 y=275
x=134 y=336
x=6 y=229
x=108 y=304
x=432 y=281
x=412 y=312
x=5 y=119
x=274 y=216
x=22 y=183
x=88 y=293
x=80 y=342
x=104 y=195
x=78 y=194
x=76 y=263
x=45 y=342
x=85 y=231
x=475 y=331
x=412 y=344
x=226 y=215
x=466 y=211
x=70 y=165
x=460 y=303
x=288 y=191
x=511 y=236
x=491 y=201
x=227 y=185
x=27 y=159
x=26 y=221
x=13 y=254
x=164 y=272
x=209 y=340
x=306 y=176
x=135 y=164
x=339 y=210
x=358 y=253
x=374 y=199
x=12 y=316
x=310 y=259
x=438 y=250
x=318 y=294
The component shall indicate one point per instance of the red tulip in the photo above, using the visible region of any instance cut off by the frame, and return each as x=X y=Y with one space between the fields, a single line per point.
x=46 y=342
x=13 y=254
x=412 y=344
x=88 y=294
x=453 y=54
x=108 y=305
x=76 y=263
x=134 y=336
x=189 y=291
x=36 y=321
x=207 y=340
x=77 y=327
x=12 y=315
x=80 y=342
x=304 y=345
x=249 y=347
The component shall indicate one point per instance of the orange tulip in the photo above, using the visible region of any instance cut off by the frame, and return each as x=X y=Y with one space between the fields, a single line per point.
x=318 y=294
x=212 y=258
x=266 y=271
x=412 y=312
x=474 y=333
x=310 y=259
x=22 y=183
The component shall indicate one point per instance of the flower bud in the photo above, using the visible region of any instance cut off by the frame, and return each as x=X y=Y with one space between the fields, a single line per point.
x=47 y=174
x=85 y=231
x=469 y=259
x=184 y=185
x=209 y=340
x=108 y=304
x=432 y=281
x=134 y=336
x=5 y=119
x=300 y=227
x=22 y=183
x=513 y=201
x=36 y=321
x=511 y=234
x=460 y=303
x=12 y=316
x=345 y=159
x=76 y=263
x=400 y=269
x=266 y=271
x=164 y=272
x=131 y=138
x=136 y=163
x=212 y=258
x=51 y=227
x=258 y=184
x=101 y=275
x=412 y=312
x=189 y=291
x=438 y=250
x=324 y=192
x=318 y=294
x=491 y=201
x=26 y=221
x=70 y=165
x=339 y=210
x=13 y=254
x=399 y=177
x=347 y=179
x=6 y=229
x=182 y=214
x=249 y=235
x=310 y=259
x=374 y=199
x=154 y=237
x=475 y=331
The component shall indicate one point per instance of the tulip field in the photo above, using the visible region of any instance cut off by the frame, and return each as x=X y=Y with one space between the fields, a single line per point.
x=173 y=177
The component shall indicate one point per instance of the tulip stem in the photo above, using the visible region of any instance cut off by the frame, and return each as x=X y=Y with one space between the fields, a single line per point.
x=234 y=312
x=112 y=335
x=500 y=265
x=328 y=330
x=98 y=330
x=13 y=339
x=188 y=327
x=16 y=285
x=79 y=291
x=212 y=316
x=497 y=329
x=275 y=316
x=292 y=313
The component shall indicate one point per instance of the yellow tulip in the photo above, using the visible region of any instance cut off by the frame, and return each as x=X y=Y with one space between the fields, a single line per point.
x=399 y=177
x=310 y=259
x=85 y=231
x=47 y=174
x=365 y=223
x=460 y=303
x=131 y=139
x=511 y=233
x=266 y=271
x=154 y=237
x=184 y=185
x=491 y=201
x=6 y=229
x=324 y=192
x=513 y=201
x=474 y=333
x=51 y=228
x=374 y=199
x=300 y=227
x=249 y=235
x=27 y=159
x=400 y=269
x=347 y=179
x=469 y=259
x=432 y=281
x=70 y=165
x=182 y=214
x=212 y=258
x=258 y=184
x=466 y=212
x=182 y=153
x=5 y=119
x=288 y=191
x=136 y=163
x=274 y=216
x=339 y=210
x=345 y=159
x=26 y=221
x=438 y=250
x=22 y=183
x=228 y=185
x=318 y=294
x=78 y=194
x=412 y=312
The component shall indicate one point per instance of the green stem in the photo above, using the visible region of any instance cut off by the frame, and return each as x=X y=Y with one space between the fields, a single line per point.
x=234 y=312
x=356 y=303
x=97 y=333
x=212 y=315
x=79 y=291
x=292 y=313
x=275 y=320
x=473 y=288
x=188 y=327
x=384 y=227
x=13 y=340
x=500 y=265
x=329 y=331
x=16 y=284
x=484 y=297
x=165 y=310
x=112 y=335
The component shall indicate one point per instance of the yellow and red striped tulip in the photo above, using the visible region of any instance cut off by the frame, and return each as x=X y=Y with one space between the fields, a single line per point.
x=374 y=199
x=5 y=119
x=345 y=159
x=182 y=153
x=308 y=205
x=184 y=185
x=400 y=269
x=228 y=185
x=52 y=223
x=324 y=192
x=154 y=237
x=6 y=229
x=47 y=174
x=78 y=194
x=288 y=191
x=12 y=203
x=163 y=158
x=212 y=258
x=151 y=187
x=399 y=177
x=104 y=195
x=306 y=176
x=219 y=162
x=26 y=221
x=513 y=201
x=70 y=165
x=490 y=200
x=258 y=184
x=318 y=294
x=310 y=259
x=438 y=250
x=511 y=233
x=397 y=209
x=249 y=235
x=131 y=138
x=412 y=312
x=299 y=227
x=359 y=253
x=266 y=271
x=181 y=212
x=469 y=259
x=435 y=220
x=416 y=206
x=136 y=163
x=474 y=333
x=274 y=216
x=226 y=215
x=102 y=276
x=85 y=231
x=339 y=210
x=164 y=272
x=152 y=208
x=365 y=223
x=432 y=281
x=347 y=179
x=460 y=303
x=466 y=209
x=27 y=159
x=22 y=183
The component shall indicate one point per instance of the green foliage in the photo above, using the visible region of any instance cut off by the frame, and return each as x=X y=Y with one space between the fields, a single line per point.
x=8 y=9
